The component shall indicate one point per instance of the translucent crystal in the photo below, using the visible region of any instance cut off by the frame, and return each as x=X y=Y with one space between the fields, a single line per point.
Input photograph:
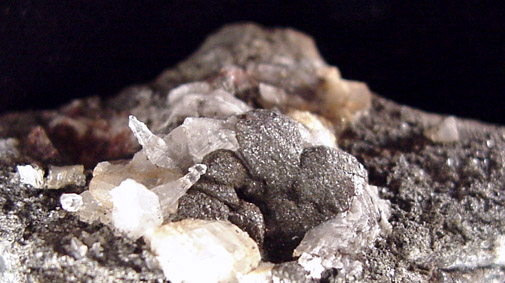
x=31 y=175
x=314 y=130
x=108 y=175
x=445 y=131
x=342 y=100
x=170 y=193
x=71 y=202
x=91 y=210
x=154 y=146
x=59 y=177
x=218 y=250
x=273 y=96
x=337 y=243
x=197 y=137
x=215 y=104
x=136 y=209
x=190 y=88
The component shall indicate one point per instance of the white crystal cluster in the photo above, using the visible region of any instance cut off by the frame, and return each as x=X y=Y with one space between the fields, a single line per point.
x=57 y=177
x=337 y=243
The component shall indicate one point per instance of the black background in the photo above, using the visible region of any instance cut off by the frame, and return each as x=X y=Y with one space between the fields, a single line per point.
x=440 y=56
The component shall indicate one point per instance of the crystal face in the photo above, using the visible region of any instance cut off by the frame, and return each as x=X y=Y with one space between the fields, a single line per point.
x=30 y=175
x=220 y=250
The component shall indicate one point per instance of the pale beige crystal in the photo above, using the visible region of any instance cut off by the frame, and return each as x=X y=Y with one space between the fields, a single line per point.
x=444 y=131
x=61 y=176
x=318 y=130
x=108 y=175
x=342 y=100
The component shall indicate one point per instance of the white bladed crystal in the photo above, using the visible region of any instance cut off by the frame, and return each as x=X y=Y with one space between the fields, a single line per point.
x=30 y=175
x=218 y=250
x=155 y=147
x=71 y=202
x=170 y=193
x=136 y=209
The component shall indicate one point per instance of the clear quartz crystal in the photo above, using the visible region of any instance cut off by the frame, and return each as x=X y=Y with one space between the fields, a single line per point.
x=136 y=209
x=71 y=202
x=197 y=137
x=219 y=250
x=61 y=176
x=170 y=193
x=155 y=147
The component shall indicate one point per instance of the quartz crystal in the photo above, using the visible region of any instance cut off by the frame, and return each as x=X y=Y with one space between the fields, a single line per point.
x=71 y=202
x=194 y=250
x=195 y=103
x=136 y=209
x=170 y=193
x=31 y=175
x=61 y=176
x=155 y=147
x=445 y=131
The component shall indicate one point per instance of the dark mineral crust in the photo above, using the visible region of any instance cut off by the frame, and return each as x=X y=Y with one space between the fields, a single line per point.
x=447 y=198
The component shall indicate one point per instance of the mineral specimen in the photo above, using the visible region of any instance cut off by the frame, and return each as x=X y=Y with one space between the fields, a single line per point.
x=299 y=191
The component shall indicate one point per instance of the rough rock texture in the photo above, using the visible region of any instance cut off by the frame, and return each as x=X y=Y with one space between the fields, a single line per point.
x=447 y=197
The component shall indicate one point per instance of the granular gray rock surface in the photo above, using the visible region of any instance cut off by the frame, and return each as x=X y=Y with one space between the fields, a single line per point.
x=447 y=199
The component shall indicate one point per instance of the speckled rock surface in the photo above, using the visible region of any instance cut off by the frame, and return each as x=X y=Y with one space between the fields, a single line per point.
x=447 y=199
